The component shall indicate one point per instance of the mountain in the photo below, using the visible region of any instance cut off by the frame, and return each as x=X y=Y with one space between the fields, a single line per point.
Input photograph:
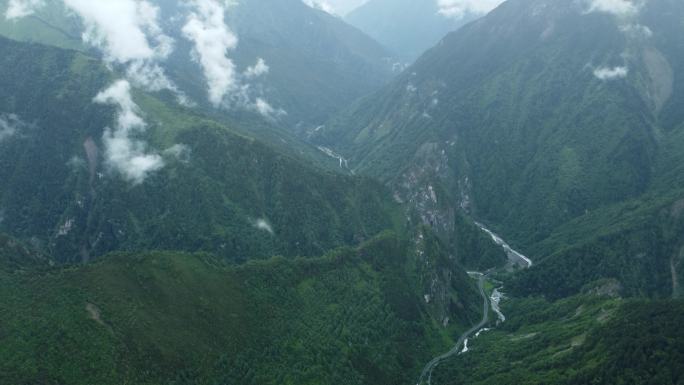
x=312 y=62
x=107 y=188
x=407 y=27
x=177 y=180
x=352 y=316
x=589 y=339
x=535 y=116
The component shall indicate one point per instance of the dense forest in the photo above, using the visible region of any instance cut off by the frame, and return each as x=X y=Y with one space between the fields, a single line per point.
x=211 y=192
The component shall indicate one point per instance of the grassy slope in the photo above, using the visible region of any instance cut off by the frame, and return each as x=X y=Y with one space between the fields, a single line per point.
x=350 y=317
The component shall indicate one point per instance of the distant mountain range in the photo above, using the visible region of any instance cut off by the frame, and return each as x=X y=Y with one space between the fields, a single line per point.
x=407 y=27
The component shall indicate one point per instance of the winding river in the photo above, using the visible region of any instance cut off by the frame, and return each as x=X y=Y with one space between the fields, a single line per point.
x=461 y=346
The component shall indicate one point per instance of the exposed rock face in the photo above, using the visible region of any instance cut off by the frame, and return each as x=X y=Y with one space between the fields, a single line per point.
x=606 y=288
x=445 y=286
x=660 y=78
x=421 y=187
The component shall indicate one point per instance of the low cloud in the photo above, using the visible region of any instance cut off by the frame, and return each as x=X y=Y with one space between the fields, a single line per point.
x=9 y=125
x=181 y=152
x=121 y=28
x=611 y=73
x=636 y=31
x=626 y=13
x=457 y=9
x=17 y=9
x=264 y=109
x=128 y=32
x=264 y=225
x=321 y=5
x=257 y=70
x=212 y=41
x=123 y=153
x=620 y=8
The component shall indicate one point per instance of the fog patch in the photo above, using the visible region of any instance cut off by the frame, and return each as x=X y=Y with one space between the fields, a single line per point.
x=263 y=225
x=321 y=5
x=458 y=9
x=17 y=9
x=10 y=124
x=619 y=8
x=124 y=154
x=181 y=152
x=212 y=41
x=257 y=70
x=611 y=73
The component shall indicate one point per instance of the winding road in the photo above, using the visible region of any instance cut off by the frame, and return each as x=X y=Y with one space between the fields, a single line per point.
x=426 y=375
x=514 y=258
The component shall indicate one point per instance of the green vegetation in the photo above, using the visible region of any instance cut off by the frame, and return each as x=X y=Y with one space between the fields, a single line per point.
x=212 y=201
x=638 y=242
x=350 y=317
x=579 y=340
x=576 y=172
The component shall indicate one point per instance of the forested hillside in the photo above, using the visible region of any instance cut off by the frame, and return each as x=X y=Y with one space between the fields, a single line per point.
x=349 y=317
x=582 y=340
x=214 y=192
x=223 y=192
x=532 y=118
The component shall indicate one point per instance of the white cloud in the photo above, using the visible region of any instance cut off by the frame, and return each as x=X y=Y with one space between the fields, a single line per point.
x=128 y=32
x=123 y=153
x=17 y=9
x=258 y=69
x=637 y=31
x=611 y=73
x=120 y=28
x=620 y=8
x=457 y=9
x=266 y=110
x=262 y=224
x=321 y=5
x=213 y=39
x=9 y=124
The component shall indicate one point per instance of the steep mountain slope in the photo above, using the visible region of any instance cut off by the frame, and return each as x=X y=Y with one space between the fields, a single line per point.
x=316 y=63
x=535 y=115
x=350 y=317
x=407 y=27
x=580 y=340
x=178 y=181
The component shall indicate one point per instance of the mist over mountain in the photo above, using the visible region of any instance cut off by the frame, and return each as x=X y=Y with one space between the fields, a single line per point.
x=409 y=27
x=203 y=192
x=286 y=61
